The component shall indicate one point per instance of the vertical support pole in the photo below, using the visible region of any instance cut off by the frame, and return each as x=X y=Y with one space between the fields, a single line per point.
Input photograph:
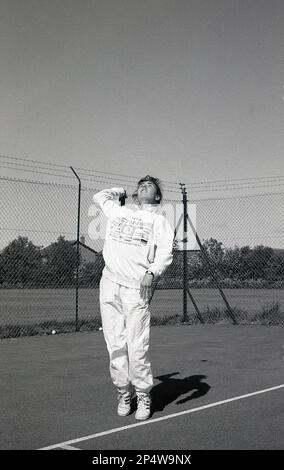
x=185 y=274
x=199 y=316
x=78 y=246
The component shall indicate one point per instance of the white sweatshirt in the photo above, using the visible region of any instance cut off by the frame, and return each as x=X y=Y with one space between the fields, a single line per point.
x=137 y=239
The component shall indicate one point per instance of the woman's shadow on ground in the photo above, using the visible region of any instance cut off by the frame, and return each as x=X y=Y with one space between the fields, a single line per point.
x=170 y=389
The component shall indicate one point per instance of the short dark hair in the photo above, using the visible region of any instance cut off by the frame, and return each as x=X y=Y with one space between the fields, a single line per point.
x=153 y=180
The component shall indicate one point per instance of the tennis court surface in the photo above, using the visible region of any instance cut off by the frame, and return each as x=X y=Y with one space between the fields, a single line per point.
x=216 y=387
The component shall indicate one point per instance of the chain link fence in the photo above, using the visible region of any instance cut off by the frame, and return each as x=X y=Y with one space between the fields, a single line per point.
x=49 y=277
x=239 y=260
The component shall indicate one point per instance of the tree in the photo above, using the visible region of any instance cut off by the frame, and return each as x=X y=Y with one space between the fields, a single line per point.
x=259 y=260
x=214 y=250
x=248 y=263
x=90 y=273
x=275 y=267
x=2 y=272
x=20 y=263
x=195 y=263
x=60 y=261
x=215 y=253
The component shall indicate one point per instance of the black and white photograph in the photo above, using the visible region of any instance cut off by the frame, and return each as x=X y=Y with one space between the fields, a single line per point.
x=141 y=231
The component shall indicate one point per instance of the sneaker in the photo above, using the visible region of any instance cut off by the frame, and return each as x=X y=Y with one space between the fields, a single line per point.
x=124 y=403
x=143 y=406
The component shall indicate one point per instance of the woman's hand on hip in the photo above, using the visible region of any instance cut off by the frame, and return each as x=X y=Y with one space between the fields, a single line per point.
x=146 y=286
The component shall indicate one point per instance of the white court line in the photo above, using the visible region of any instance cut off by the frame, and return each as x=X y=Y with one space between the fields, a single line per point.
x=163 y=418
x=67 y=447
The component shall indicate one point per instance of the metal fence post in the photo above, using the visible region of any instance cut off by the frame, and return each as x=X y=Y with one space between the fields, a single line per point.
x=199 y=316
x=185 y=273
x=77 y=244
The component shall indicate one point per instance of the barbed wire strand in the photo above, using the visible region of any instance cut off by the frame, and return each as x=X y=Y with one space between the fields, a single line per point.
x=193 y=190
x=197 y=184
x=23 y=167
x=79 y=168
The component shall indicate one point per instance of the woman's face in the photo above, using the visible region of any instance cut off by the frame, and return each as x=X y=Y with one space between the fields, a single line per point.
x=146 y=193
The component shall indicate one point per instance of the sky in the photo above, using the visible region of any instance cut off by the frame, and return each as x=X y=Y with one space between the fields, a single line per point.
x=186 y=90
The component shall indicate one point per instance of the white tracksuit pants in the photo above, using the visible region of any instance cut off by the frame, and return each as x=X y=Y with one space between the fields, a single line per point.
x=126 y=327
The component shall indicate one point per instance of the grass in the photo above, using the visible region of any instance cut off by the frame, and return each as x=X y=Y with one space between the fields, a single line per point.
x=47 y=327
x=269 y=315
x=159 y=320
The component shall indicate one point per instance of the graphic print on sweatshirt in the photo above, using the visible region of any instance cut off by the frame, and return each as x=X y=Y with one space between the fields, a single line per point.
x=131 y=231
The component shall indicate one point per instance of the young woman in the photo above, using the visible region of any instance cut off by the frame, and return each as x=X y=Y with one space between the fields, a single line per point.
x=137 y=249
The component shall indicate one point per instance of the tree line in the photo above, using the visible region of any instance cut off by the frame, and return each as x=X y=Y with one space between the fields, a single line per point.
x=260 y=266
x=24 y=264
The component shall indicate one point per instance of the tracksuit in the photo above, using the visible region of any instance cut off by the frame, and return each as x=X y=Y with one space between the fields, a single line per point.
x=137 y=238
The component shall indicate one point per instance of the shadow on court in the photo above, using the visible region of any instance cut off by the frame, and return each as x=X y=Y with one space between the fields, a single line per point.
x=170 y=389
